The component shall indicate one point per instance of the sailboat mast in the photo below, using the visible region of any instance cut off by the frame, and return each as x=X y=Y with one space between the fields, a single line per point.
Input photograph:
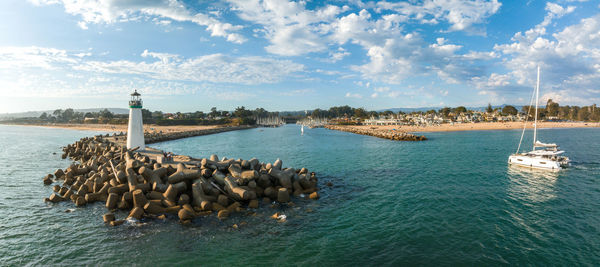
x=537 y=94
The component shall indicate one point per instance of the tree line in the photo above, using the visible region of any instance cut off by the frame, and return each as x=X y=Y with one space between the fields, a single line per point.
x=243 y=116
x=553 y=111
x=240 y=116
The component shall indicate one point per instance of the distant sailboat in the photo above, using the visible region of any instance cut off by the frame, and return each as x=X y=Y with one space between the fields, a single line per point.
x=302 y=130
x=547 y=158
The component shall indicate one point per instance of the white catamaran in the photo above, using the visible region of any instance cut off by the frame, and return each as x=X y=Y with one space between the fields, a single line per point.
x=548 y=157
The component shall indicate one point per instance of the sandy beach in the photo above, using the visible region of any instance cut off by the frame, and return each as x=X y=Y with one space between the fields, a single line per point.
x=123 y=127
x=477 y=126
x=403 y=128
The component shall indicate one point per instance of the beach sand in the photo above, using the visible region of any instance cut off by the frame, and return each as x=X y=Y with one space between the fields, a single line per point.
x=123 y=127
x=446 y=127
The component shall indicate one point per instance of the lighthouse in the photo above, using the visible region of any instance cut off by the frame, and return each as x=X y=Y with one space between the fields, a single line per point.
x=135 y=130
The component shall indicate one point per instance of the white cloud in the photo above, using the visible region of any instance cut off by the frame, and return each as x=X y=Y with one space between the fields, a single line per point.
x=569 y=60
x=100 y=11
x=338 y=55
x=82 y=25
x=480 y=55
x=395 y=94
x=38 y=71
x=460 y=14
x=353 y=95
x=98 y=85
x=217 y=68
x=299 y=92
x=33 y=57
x=554 y=11
x=293 y=30
x=290 y=28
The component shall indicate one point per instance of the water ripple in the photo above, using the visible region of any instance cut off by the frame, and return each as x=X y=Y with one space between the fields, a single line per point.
x=448 y=201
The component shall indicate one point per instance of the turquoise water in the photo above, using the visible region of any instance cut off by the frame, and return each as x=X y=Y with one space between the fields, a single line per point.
x=451 y=200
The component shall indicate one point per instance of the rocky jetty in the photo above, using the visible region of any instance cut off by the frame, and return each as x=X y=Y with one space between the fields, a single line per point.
x=161 y=137
x=133 y=181
x=387 y=134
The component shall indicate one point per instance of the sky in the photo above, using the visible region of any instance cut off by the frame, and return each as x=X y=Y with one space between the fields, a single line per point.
x=296 y=55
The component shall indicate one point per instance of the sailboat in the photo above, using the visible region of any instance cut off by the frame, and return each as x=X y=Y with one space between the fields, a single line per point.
x=302 y=129
x=548 y=156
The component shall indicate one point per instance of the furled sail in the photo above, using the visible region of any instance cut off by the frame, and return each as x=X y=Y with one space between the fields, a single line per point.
x=540 y=144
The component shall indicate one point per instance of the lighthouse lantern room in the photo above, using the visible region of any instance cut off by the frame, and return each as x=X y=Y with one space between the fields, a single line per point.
x=135 y=129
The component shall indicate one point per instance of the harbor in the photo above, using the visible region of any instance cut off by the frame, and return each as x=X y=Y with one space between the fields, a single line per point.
x=300 y=133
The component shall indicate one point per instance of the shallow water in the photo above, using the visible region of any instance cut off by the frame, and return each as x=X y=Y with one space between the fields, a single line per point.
x=447 y=201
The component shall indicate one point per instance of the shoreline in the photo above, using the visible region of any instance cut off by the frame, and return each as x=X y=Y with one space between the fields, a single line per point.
x=123 y=127
x=482 y=126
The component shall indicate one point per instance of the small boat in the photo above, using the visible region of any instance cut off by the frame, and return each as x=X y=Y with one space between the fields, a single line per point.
x=548 y=156
x=302 y=130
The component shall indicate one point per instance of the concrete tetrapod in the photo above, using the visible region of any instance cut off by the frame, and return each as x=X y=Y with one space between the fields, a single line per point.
x=129 y=180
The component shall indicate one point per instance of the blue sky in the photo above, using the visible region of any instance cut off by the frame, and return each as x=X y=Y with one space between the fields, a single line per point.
x=296 y=55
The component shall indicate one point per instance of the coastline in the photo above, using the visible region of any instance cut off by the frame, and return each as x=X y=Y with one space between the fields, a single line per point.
x=473 y=126
x=123 y=127
x=400 y=128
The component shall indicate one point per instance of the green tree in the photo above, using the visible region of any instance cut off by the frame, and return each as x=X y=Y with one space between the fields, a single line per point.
x=573 y=113
x=489 y=108
x=583 y=114
x=198 y=114
x=146 y=113
x=242 y=112
x=57 y=114
x=157 y=114
x=595 y=114
x=106 y=114
x=552 y=108
x=68 y=114
x=260 y=112
x=509 y=110
x=563 y=112
x=360 y=113
x=388 y=113
x=213 y=112
x=317 y=113
x=44 y=116
x=445 y=111
x=460 y=109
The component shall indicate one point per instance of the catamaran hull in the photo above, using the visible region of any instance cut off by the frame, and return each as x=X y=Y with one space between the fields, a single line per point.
x=534 y=162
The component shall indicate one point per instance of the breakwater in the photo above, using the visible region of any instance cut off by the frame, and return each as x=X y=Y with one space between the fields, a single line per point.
x=387 y=134
x=161 y=136
x=123 y=179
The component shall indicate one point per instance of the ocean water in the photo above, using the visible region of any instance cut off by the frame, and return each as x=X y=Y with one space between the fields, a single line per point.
x=451 y=200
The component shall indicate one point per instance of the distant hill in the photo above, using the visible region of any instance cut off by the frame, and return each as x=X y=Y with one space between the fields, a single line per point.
x=4 y=116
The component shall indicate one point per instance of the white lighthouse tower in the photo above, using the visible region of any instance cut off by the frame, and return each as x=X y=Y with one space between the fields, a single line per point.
x=135 y=130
